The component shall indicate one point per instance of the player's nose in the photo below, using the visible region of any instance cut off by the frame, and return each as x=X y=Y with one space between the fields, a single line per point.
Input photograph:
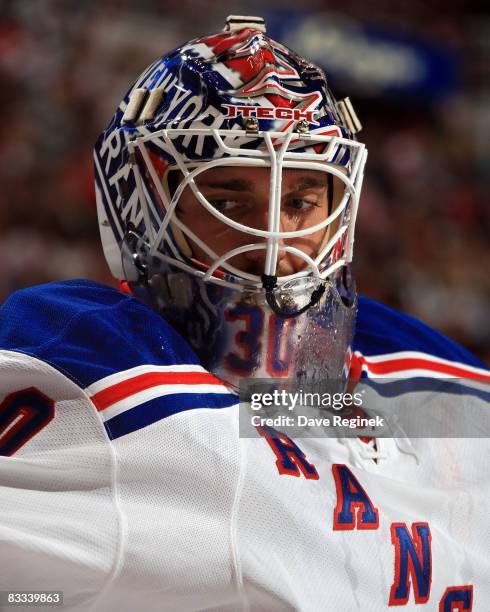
x=255 y=259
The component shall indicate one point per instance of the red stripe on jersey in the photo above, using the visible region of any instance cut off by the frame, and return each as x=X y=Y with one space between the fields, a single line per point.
x=412 y=363
x=105 y=398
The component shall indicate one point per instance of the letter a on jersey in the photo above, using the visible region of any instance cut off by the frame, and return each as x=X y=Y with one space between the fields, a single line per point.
x=354 y=509
x=412 y=556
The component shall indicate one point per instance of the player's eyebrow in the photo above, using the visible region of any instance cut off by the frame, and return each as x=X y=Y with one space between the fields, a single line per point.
x=228 y=184
x=307 y=182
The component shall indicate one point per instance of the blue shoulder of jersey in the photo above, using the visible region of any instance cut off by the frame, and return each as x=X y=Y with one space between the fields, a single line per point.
x=88 y=331
x=381 y=330
x=114 y=347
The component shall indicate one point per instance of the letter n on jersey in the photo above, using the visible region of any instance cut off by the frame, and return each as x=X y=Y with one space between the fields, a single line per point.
x=354 y=509
x=413 y=555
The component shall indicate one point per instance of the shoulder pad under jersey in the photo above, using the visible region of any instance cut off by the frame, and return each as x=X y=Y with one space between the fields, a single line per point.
x=88 y=331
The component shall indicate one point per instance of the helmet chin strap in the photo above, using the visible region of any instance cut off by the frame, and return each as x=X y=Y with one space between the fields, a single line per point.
x=269 y=283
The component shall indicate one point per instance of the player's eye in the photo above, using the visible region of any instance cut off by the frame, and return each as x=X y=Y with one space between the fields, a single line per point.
x=302 y=204
x=226 y=205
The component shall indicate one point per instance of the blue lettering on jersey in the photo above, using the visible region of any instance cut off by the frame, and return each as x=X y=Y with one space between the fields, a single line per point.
x=457 y=599
x=247 y=340
x=413 y=557
x=354 y=509
x=291 y=460
x=22 y=415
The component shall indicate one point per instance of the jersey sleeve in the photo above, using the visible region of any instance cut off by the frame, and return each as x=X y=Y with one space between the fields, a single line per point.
x=120 y=464
x=59 y=519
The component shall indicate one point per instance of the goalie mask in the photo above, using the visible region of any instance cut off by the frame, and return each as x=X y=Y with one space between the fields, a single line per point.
x=227 y=190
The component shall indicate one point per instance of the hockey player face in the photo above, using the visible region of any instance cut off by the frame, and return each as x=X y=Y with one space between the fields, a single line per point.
x=242 y=194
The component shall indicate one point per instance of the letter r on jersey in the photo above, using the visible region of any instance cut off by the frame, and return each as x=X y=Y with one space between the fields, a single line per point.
x=291 y=459
x=413 y=556
x=354 y=509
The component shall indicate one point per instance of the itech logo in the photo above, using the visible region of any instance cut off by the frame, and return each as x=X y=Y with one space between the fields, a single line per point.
x=273 y=112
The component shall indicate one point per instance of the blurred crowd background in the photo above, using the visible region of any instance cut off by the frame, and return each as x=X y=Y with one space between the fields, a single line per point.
x=418 y=73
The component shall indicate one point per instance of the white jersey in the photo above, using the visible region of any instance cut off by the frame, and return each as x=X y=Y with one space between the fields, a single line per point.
x=125 y=483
